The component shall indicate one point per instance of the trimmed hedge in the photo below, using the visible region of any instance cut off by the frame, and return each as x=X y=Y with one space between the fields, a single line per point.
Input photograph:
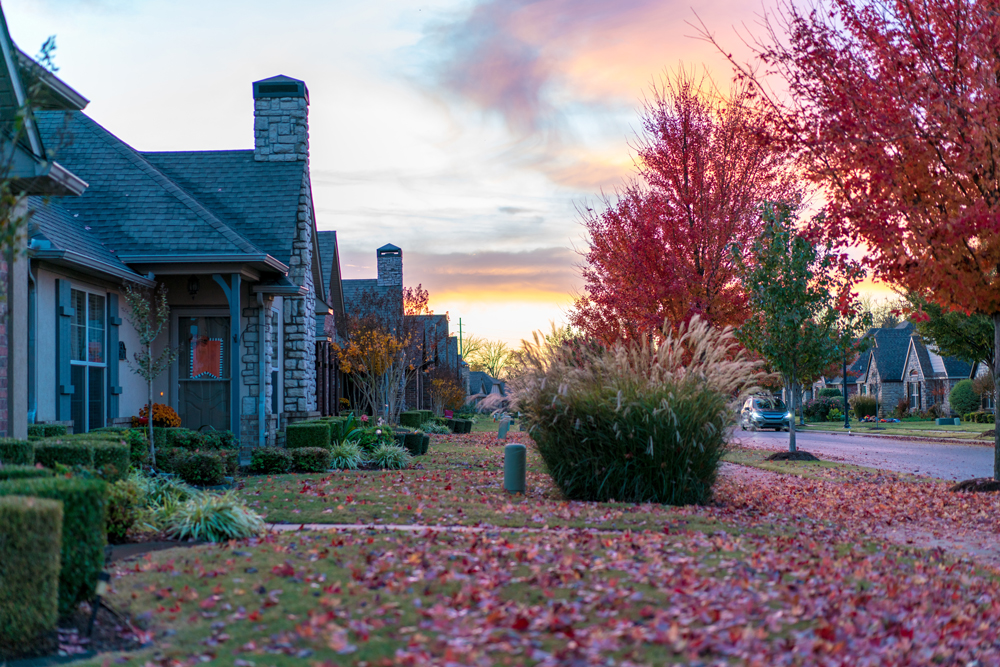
x=24 y=472
x=202 y=469
x=979 y=417
x=411 y=418
x=311 y=459
x=426 y=415
x=30 y=541
x=270 y=460
x=411 y=441
x=46 y=430
x=112 y=459
x=425 y=443
x=963 y=398
x=67 y=453
x=307 y=434
x=17 y=452
x=83 y=538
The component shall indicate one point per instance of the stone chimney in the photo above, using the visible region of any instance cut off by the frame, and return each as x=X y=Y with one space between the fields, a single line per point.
x=390 y=266
x=280 y=120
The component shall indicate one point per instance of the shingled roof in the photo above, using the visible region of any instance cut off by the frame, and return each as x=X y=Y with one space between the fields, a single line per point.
x=330 y=267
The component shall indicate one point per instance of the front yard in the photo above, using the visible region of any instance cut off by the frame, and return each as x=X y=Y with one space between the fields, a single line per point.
x=926 y=429
x=799 y=564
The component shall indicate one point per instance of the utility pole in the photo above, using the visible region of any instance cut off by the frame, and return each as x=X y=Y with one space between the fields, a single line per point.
x=461 y=351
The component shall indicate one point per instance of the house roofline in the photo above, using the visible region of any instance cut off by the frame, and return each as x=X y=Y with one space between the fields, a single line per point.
x=75 y=259
x=206 y=258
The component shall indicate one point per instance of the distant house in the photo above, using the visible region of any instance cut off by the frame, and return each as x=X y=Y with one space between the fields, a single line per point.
x=900 y=365
x=482 y=383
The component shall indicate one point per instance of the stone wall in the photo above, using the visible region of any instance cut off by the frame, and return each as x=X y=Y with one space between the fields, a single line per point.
x=300 y=315
x=390 y=270
x=281 y=129
x=250 y=374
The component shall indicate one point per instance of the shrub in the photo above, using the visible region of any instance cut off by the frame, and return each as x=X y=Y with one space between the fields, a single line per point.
x=411 y=441
x=434 y=427
x=373 y=436
x=835 y=415
x=902 y=408
x=863 y=406
x=220 y=440
x=55 y=430
x=124 y=498
x=635 y=423
x=30 y=541
x=411 y=418
x=962 y=398
x=819 y=408
x=425 y=443
x=23 y=472
x=311 y=459
x=829 y=392
x=36 y=431
x=136 y=438
x=270 y=460
x=202 y=469
x=307 y=434
x=50 y=453
x=346 y=456
x=185 y=438
x=83 y=538
x=111 y=459
x=426 y=415
x=390 y=457
x=167 y=460
x=980 y=417
x=163 y=415
x=17 y=452
x=214 y=518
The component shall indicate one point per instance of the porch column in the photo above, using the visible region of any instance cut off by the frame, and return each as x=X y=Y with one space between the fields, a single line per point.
x=232 y=292
x=64 y=319
x=114 y=389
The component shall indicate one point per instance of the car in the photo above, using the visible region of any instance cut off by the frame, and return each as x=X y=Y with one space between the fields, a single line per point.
x=765 y=412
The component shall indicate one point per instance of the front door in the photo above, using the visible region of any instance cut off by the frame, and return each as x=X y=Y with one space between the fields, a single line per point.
x=204 y=374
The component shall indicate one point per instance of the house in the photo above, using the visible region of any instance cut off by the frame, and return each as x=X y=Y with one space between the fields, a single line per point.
x=900 y=365
x=482 y=383
x=230 y=234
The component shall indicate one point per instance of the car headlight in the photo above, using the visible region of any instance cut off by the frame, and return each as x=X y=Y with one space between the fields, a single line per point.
x=789 y=415
x=756 y=415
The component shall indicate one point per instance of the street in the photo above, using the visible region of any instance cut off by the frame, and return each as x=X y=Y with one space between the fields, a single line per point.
x=945 y=461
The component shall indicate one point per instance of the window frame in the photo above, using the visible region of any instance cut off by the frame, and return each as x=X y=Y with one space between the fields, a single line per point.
x=86 y=363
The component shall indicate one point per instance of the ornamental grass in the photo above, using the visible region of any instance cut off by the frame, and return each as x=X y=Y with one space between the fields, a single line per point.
x=639 y=422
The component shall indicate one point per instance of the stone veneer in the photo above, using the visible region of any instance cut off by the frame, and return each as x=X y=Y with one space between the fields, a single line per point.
x=281 y=129
x=300 y=315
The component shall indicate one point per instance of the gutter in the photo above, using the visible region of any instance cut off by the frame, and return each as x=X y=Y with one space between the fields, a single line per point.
x=281 y=290
x=204 y=258
x=72 y=257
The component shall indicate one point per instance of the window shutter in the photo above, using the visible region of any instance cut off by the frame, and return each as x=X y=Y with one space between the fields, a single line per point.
x=114 y=390
x=64 y=318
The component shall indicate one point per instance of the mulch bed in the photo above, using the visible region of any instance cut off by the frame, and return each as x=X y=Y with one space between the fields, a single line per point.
x=792 y=456
x=70 y=641
x=978 y=485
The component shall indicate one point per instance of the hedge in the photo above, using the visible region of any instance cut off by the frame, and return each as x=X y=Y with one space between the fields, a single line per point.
x=412 y=442
x=202 y=469
x=16 y=452
x=311 y=459
x=67 y=453
x=425 y=443
x=270 y=460
x=24 y=472
x=137 y=439
x=112 y=459
x=426 y=415
x=412 y=418
x=47 y=430
x=307 y=434
x=83 y=536
x=30 y=541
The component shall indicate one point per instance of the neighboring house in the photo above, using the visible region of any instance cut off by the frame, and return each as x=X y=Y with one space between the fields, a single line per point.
x=231 y=234
x=980 y=369
x=482 y=383
x=901 y=366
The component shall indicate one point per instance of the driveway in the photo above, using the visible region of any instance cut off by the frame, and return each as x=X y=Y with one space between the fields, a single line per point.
x=950 y=462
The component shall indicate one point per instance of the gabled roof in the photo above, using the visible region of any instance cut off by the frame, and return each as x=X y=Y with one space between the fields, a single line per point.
x=140 y=211
x=481 y=382
x=329 y=255
x=889 y=351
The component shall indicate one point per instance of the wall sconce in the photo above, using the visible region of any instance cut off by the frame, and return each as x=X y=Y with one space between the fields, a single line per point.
x=193 y=286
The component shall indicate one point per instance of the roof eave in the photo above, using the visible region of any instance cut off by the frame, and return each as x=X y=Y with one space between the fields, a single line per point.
x=206 y=258
x=89 y=264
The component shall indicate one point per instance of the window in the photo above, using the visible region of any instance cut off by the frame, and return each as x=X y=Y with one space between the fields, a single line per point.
x=914 y=395
x=275 y=359
x=204 y=373
x=87 y=360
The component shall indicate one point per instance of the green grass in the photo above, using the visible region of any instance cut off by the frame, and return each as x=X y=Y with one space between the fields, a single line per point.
x=963 y=431
x=825 y=470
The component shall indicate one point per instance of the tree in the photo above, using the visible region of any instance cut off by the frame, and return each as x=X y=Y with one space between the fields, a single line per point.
x=660 y=249
x=148 y=313
x=891 y=107
x=884 y=314
x=954 y=333
x=491 y=357
x=791 y=298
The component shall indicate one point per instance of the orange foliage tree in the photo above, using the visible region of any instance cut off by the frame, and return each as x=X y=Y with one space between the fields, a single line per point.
x=892 y=108
x=661 y=248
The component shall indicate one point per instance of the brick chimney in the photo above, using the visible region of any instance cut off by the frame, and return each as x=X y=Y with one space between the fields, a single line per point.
x=390 y=266
x=280 y=120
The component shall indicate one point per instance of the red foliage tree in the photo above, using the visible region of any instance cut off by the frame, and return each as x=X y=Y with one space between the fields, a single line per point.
x=892 y=107
x=661 y=248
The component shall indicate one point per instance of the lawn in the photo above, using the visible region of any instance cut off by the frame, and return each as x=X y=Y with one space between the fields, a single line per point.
x=963 y=431
x=791 y=564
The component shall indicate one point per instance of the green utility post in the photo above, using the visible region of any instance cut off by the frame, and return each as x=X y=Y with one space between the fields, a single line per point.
x=514 y=463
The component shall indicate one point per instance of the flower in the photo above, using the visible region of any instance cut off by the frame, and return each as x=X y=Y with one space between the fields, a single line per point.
x=364 y=418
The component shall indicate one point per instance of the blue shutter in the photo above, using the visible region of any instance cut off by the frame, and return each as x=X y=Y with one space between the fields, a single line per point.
x=64 y=320
x=114 y=389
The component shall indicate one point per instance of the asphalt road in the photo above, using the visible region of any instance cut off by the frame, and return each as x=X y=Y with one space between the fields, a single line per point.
x=945 y=461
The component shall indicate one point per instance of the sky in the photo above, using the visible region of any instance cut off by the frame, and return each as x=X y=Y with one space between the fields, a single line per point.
x=468 y=133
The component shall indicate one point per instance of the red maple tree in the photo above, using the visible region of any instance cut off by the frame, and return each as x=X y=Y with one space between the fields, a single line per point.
x=892 y=108
x=661 y=247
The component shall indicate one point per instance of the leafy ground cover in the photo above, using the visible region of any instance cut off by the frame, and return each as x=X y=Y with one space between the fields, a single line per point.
x=803 y=564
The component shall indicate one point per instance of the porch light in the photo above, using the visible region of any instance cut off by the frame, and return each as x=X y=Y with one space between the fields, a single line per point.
x=193 y=286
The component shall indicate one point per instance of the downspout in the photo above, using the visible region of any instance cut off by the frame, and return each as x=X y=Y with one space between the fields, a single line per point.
x=261 y=359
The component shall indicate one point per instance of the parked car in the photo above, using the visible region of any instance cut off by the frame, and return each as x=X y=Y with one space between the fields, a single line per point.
x=765 y=412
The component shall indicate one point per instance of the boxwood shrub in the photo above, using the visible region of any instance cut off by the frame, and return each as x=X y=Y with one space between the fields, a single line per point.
x=24 y=472
x=30 y=541
x=112 y=459
x=311 y=459
x=83 y=538
x=49 y=453
x=425 y=443
x=307 y=434
x=54 y=430
x=16 y=452
x=411 y=441
x=136 y=438
x=270 y=460
x=202 y=469
x=411 y=418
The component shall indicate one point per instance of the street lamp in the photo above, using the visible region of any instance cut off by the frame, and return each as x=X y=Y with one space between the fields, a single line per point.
x=843 y=384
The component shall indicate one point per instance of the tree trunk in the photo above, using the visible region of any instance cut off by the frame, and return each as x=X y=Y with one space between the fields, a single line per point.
x=149 y=413
x=996 y=393
x=791 y=422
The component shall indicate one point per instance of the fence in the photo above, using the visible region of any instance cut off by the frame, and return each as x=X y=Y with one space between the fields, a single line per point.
x=329 y=388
